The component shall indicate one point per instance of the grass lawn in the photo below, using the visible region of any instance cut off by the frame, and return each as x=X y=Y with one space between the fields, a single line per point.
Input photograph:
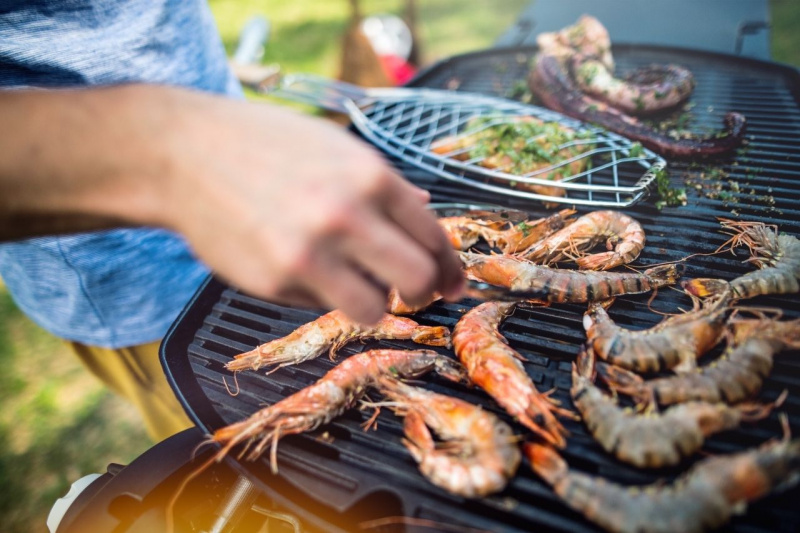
x=56 y=422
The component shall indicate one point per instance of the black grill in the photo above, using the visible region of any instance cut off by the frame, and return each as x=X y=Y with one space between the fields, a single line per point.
x=348 y=475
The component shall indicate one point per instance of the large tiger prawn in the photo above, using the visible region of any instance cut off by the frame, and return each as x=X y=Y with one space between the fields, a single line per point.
x=650 y=439
x=738 y=374
x=704 y=498
x=776 y=255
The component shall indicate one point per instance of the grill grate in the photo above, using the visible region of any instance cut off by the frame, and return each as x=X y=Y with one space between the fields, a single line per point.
x=342 y=468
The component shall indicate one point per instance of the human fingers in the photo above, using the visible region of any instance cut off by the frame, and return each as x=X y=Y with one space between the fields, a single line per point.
x=391 y=256
x=340 y=285
x=420 y=224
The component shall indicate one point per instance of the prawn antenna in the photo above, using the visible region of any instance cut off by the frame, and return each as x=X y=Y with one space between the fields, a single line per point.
x=235 y=383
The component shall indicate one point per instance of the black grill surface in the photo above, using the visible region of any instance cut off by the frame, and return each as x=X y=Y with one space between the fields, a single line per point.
x=351 y=475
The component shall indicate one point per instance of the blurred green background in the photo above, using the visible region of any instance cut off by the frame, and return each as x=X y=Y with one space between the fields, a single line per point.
x=56 y=422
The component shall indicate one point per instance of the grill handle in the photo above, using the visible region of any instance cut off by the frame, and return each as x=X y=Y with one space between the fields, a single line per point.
x=648 y=180
x=317 y=91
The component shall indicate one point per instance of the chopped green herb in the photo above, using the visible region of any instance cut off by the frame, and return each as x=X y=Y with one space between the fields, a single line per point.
x=636 y=150
x=524 y=228
x=669 y=196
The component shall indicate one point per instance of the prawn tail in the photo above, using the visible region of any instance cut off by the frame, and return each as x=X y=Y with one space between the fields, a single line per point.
x=545 y=462
x=626 y=382
x=752 y=412
x=585 y=363
x=540 y=418
x=432 y=336
x=704 y=287
x=452 y=370
x=251 y=360
x=602 y=261
x=663 y=275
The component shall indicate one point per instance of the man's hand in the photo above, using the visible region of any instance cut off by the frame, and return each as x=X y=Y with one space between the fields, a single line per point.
x=285 y=206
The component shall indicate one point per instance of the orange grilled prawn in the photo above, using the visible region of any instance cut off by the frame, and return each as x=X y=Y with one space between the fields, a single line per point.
x=704 y=498
x=675 y=343
x=479 y=454
x=776 y=255
x=329 y=333
x=464 y=231
x=738 y=374
x=331 y=395
x=652 y=440
x=495 y=367
x=564 y=285
x=621 y=233
x=397 y=306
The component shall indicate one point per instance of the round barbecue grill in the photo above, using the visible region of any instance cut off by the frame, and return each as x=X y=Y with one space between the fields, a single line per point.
x=340 y=477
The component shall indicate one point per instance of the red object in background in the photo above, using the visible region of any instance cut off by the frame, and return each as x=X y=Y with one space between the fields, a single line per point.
x=392 y=41
x=397 y=69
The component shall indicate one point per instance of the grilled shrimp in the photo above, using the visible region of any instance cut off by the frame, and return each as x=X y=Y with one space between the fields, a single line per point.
x=704 y=498
x=522 y=235
x=738 y=374
x=397 y=306
x=464 y=231
x=652 y=440
x=563 y=285
x=776 y=255
x=330 y=396
x=507 y=230
x=329 y=333
x=621 y=233
x=675 y=343
x=479 y=454
x=495 y=367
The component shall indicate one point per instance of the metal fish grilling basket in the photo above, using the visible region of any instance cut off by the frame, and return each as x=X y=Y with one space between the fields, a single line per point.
x=435 y=129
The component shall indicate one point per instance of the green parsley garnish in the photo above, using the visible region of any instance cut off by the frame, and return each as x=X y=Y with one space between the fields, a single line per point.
x=670 y=196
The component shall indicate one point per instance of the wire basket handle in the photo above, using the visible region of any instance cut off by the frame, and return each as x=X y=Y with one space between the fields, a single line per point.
x=314 y=90
x=647 y=181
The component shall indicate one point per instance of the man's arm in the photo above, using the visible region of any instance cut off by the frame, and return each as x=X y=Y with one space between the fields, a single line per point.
x=283 y=205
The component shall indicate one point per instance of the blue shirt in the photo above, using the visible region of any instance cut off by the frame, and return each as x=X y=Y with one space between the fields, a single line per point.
x=121 y=287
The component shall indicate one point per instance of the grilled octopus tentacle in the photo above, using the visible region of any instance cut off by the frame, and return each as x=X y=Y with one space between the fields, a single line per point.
x=645 y=91
x=552 y=84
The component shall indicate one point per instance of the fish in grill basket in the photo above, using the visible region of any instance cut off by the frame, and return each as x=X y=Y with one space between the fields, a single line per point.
x=650 y=439
x=521 y=146
x=338 y=390
x=479 y=452
x=703 y=498
x=330 y=332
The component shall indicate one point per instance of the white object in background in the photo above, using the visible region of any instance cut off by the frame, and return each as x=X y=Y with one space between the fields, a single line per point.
x=389 y=35
x=252 y=40
x=62 y=504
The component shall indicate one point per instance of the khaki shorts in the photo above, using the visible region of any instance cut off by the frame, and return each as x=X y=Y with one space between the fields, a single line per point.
x=135 y=373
